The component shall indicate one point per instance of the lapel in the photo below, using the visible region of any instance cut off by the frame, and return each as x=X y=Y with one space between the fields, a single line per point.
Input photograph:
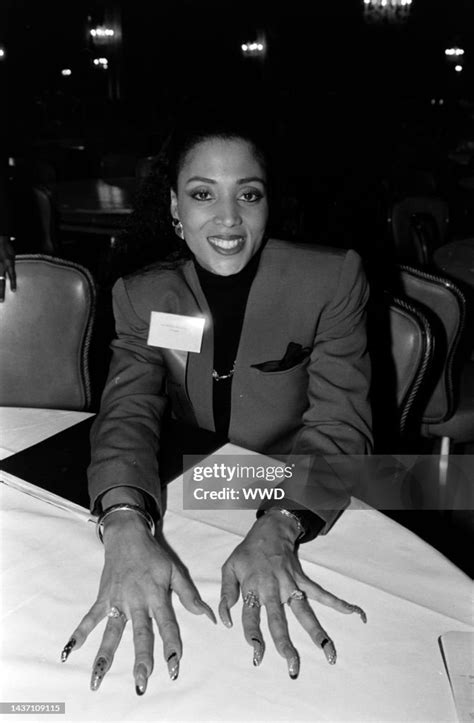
x=199 y=366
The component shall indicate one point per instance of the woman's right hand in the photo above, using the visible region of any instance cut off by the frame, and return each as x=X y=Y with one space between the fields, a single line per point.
x=140 y=572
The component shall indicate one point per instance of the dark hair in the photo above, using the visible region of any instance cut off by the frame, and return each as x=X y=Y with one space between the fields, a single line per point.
x=149 y=236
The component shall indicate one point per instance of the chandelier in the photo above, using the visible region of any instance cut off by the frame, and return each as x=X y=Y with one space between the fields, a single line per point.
x=387 y=11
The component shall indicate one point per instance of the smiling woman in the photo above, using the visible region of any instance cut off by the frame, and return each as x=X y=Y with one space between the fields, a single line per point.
x=225 y=210
x=281 y=368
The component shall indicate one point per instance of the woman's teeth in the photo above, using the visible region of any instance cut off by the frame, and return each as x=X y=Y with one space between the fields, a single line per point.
x=224 y=243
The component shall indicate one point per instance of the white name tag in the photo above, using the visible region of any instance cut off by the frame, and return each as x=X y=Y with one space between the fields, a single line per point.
x=174 y=331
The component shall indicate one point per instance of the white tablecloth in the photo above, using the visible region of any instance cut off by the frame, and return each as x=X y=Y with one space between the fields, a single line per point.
x=21 y=428
x=389 y=670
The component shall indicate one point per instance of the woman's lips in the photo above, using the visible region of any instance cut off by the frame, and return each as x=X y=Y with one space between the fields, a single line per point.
x=226 y=245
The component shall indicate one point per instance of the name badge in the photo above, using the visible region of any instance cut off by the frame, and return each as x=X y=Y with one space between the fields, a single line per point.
x=174 y=331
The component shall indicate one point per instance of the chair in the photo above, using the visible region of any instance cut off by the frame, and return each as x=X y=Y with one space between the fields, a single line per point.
x=448 y=415
x=418 y=227
x=402 y=347
x=45 y=331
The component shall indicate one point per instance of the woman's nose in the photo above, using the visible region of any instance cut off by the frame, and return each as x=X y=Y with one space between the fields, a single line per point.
x=228 y=213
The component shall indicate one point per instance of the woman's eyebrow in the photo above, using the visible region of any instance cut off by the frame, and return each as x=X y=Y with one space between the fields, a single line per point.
x=201 y=179
x=252 y=179
x=240 y=181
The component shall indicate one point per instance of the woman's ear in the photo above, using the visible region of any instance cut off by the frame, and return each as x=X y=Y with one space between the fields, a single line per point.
x=174 y=204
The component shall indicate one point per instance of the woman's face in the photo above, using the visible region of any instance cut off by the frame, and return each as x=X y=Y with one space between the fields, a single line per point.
x=221 y=200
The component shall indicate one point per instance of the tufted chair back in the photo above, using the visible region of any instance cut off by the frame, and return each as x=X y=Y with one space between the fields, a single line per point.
x=45 y=333
x=402 y=347
x=445 y=304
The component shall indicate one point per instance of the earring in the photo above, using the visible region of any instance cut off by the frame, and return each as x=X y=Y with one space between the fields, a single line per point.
x=178 y=228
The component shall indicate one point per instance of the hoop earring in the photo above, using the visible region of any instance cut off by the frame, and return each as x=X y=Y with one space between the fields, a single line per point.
x=178 y=228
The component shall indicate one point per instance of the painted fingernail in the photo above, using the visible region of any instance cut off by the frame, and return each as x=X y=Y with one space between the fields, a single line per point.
x=173 y=665
x=258 y=651
x=141 y=679
x=329 y=651
x=359 y=611
x=98 y=673
x=224 y=613
x=67 y=649
x=294 y=666
x=207 y=609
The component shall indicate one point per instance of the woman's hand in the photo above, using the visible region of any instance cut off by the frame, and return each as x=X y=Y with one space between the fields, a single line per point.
x=266 y=569
x=140 y=572
x=7 y=265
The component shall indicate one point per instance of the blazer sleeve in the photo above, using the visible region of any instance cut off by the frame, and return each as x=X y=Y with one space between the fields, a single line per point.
x=125 y=436
x=337 y=420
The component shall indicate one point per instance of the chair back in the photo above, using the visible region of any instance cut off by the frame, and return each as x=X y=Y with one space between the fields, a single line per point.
x=45 y=332
x=418 y=226
x=402 y=346
x=445 y=305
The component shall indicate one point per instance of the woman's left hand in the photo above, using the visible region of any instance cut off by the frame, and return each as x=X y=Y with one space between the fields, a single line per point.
x=265 y=567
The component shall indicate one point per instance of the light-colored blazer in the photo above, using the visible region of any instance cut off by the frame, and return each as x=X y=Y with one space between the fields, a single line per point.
x=309 y=295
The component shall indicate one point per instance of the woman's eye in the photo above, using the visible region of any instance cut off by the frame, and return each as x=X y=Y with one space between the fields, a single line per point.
x=201 y=195
x=251 y=196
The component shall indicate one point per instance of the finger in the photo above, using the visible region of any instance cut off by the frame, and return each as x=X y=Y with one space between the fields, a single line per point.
x=229 y=594
x=169 y=632
x=143 y=640
x=252 y=632
x=279 y=632
x=97 y=612
x=110 y=642
x=316 y=592
x=304 y=614
x=189 y=595
x=10 y=269
x=2 y=288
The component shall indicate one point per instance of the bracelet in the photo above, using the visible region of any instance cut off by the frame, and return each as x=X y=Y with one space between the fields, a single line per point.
x=292 y=516
x=123 y=508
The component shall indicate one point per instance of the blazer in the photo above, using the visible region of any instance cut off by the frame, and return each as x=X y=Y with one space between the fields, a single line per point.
x=309 y=295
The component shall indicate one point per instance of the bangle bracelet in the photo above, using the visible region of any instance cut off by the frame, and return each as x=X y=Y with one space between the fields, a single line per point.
x=292 y=516
x=123 y=508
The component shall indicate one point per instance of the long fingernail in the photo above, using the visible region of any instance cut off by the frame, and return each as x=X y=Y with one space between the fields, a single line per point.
x=258 y=651
x=329 y=651
x=141 y=679
x=67 y=649
x=294 y=666
x=358 y=610
x=98 y=673
x=207 y=609
x=173 y=665
x=224 y=613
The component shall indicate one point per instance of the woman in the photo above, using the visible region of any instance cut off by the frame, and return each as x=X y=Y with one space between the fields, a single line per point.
x=282 y=369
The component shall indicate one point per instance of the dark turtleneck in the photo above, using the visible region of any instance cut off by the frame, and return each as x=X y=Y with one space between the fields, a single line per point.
x=227 y=298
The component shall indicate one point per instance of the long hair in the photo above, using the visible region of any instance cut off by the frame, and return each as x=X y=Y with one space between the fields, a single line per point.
x=150 y=237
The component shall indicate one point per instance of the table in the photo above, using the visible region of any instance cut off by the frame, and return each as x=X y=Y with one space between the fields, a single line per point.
x=457 y=260
x=95 y=205
x=389 y=670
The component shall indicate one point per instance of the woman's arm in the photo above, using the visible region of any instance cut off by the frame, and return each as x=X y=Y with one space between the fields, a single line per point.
x=336 y=421
x=140 y=569
x=125 y=436
x=338 y=418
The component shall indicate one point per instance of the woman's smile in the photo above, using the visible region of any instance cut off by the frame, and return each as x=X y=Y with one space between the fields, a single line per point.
x=227 y=245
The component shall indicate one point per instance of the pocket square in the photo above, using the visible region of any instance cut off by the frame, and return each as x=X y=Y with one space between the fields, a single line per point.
x=295 y=353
